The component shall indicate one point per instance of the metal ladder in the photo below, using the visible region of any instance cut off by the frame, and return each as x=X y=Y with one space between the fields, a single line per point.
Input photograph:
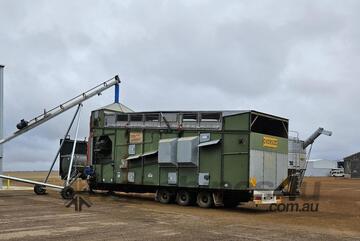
x=297 y=178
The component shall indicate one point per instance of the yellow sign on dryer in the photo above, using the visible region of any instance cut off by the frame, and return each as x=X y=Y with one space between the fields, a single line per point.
x=270 y=142
x=136 y=137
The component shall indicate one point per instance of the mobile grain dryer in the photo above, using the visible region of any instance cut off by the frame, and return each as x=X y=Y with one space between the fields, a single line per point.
x=207 y=157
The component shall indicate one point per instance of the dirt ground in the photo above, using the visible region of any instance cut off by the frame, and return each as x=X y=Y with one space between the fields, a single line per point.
x=54 y=178
x=25 y=216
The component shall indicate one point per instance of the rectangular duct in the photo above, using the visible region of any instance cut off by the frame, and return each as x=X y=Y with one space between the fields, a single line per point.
x=188 y=150
x=167 y=151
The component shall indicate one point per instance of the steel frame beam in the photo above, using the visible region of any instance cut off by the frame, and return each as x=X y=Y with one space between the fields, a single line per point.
x=62 y=143
x=31 y=182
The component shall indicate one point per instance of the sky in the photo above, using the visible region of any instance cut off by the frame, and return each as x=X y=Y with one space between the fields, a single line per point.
x=296 y=59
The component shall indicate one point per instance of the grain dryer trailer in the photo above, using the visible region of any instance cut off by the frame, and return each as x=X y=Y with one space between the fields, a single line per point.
x=207 y=157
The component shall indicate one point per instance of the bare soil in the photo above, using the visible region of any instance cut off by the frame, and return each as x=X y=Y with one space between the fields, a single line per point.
x=26 y=216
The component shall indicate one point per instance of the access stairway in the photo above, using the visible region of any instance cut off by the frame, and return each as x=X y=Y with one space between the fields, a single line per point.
x=296 y=177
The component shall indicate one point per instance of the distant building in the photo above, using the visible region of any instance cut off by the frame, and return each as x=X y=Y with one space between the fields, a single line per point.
x=352 y=165
x=340 y=164
x=320 y=168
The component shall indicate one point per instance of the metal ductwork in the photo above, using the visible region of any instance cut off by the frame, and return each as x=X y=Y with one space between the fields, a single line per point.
x=315 y=135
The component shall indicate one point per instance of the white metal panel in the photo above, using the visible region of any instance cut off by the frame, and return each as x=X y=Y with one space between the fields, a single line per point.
x=204 y=179
x=133 y=157
x=209 y=143
x=187 y=150
x=168 y=151
x=131 y=177
x=270 y=170
x=172 y=178
x=325 y=164
x=110 y=120
x=205 y=137
x=281 y=168
x=257 y=167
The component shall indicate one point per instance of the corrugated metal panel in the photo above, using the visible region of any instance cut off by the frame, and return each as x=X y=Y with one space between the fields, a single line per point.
x=352 y=165
x=311 y=171
x=281 y=168
x=355 y=169
x=257 y=167
x=270 y=170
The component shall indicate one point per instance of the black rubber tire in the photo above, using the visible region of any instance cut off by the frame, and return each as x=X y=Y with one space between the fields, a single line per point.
x=39 y=190
x=110 y=193
x=164 y=196
x=91 y=185
x=205 y=200
x=184 y=198
x=67 y=193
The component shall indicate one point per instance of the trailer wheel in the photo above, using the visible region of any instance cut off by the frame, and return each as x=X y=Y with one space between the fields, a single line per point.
x=205 y=199
x=67 y=193
x=164 y=196
x=184 y=198
x=39 y=190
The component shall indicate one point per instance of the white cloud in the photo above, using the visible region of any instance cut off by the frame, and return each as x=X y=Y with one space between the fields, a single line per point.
x=294 y=59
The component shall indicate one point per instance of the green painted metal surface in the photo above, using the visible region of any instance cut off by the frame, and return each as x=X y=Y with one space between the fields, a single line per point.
x=188 y=177
x=236 y=171
x=98 y=172
x=107 y=173
x=164 y=175
x=135 y=166
x=237 y=122
x=119 y=173
x=235 y=143
x=151 y=174
x=97 y=132
x=121 y=137
x=210 y=162
x=227 y=162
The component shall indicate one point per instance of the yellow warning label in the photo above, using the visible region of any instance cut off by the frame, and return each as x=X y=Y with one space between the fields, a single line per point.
x=270 y=142
x=136 y=137
x=253 y=181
